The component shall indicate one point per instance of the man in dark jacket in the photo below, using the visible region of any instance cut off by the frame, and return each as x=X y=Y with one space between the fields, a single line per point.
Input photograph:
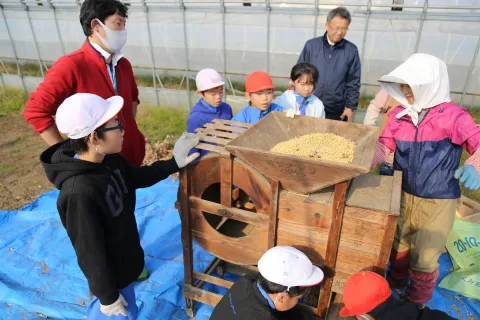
x=97 y=198
x=286 y=275
x=338 y=63
x=367 y=296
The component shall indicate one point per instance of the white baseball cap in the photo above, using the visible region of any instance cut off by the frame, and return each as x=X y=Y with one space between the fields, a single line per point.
x=208 y=79
x=82 y=113
x=289 y=267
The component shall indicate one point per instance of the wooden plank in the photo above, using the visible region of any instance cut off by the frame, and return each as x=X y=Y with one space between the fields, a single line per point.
x=211 y=279
x=304 y=211
x=187 y=245
x=255 y=185
x=272 y=230
x=387 y=244
x=225 y=128
x=396 y=194
x=232 y=123
x=218 y=209
x=366 y=215
x=226 y=176
x=332 y=246
x=371 y=191
x=210 y=147
x=201 y=295
x=234 y=250
x=217 y=133
x=203 y=174
x=216 y=140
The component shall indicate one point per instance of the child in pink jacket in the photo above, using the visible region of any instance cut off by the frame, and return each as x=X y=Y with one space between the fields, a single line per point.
x=427 y=133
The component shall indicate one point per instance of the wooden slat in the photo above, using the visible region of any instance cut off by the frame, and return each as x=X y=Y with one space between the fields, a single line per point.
x=201 y=295
x=232 y=123
x=219 y=141
x=225 y=128
x=232 y=213
x=332 y=245
x=387 y=244
x=211 y=279
x=210 y=147
x=187 y=245
x=217 y=133
x=396 y=194
x=272 y=230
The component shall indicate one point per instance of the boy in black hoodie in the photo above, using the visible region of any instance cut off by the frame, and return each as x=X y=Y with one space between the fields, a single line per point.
x=97 y=198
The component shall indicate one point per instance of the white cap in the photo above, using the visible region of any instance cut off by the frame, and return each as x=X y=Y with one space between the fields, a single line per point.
x=289 y=267
x=208 y=79
x=82 y=113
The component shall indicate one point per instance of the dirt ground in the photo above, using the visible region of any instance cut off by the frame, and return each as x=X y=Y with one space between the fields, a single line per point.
x=22 y=178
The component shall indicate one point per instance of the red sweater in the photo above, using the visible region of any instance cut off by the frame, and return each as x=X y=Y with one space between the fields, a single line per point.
x=84 y=71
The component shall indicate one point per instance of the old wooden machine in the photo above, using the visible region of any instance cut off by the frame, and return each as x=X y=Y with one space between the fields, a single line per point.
x=340 y=217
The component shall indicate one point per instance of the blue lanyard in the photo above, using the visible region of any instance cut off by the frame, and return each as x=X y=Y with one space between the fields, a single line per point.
x=113 y=77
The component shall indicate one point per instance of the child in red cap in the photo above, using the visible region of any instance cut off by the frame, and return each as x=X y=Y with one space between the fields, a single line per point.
x=367 y=296
x=260 y=90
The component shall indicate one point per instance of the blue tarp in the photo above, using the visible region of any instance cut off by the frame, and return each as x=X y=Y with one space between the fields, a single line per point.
x=39 y=275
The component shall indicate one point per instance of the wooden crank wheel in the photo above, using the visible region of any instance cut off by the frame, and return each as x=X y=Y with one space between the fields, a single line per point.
x=236 y=235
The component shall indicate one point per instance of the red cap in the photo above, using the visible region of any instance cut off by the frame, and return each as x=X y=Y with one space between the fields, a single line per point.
x=258 y=81
x=363 y=292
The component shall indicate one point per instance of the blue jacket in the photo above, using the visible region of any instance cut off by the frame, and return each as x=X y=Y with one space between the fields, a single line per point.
x=252 y=115
x=203 y=113
x=338 y=84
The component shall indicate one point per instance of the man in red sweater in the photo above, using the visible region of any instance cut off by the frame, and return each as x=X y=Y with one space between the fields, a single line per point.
x=98 y=67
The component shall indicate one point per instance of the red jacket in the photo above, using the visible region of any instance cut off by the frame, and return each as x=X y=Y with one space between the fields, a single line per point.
x=84 y=71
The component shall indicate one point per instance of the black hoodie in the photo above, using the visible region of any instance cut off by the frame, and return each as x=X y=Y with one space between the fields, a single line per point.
x=243 y=301
x=96 y=205
x=394 y=309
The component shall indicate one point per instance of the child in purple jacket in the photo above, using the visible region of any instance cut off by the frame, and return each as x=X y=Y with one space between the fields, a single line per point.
x=210 y=106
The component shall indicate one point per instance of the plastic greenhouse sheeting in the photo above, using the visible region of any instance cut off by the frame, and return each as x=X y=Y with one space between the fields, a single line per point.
x=39 y=275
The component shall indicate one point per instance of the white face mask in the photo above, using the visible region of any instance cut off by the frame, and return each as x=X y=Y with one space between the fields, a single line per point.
x=115 y=40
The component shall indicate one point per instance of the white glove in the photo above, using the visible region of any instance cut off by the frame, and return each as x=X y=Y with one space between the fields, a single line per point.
x=117 y=308
x=292 y=113
x=183 y=146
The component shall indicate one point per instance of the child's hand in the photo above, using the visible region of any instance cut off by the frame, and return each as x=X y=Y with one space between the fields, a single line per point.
x=468 y=176
x=291 y=113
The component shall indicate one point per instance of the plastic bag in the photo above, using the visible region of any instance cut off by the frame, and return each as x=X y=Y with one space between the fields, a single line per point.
x=463 y=245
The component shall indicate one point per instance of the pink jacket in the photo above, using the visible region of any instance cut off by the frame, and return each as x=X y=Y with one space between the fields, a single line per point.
x=429 y=155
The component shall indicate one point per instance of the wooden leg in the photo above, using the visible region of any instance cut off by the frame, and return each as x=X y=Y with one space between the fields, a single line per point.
x=338 y=207
x=183 y=194
x=272 y=230
x=389 y=234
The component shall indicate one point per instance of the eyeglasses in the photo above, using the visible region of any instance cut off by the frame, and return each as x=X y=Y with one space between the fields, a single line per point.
x=338 y=29
x=119 y=127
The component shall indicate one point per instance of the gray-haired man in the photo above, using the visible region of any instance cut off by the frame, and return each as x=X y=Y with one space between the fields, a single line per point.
x=338 y=63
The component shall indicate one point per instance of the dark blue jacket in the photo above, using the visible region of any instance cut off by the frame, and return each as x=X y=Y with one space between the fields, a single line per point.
x=203 y=113
x=338 y=84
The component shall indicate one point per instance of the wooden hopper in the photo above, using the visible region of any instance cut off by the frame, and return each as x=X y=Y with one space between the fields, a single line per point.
x=303 y=174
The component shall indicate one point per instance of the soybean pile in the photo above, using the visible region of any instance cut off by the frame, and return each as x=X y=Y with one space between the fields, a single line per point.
x=325 y=146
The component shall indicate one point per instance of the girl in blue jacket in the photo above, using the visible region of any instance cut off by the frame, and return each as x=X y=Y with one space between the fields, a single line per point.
x=299 y=98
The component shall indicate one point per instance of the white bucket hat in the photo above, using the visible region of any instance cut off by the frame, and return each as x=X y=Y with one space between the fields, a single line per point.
x=289 y=267
x=82 y=113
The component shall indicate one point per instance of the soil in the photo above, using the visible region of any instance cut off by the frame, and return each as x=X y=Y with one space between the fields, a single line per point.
x=22 y=178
